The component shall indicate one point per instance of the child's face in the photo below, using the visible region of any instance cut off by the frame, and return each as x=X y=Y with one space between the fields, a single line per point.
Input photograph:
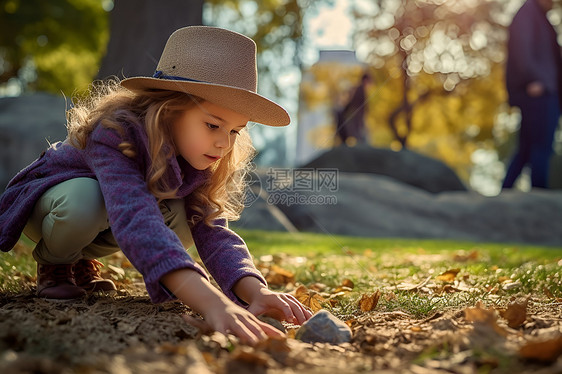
x=206 y=132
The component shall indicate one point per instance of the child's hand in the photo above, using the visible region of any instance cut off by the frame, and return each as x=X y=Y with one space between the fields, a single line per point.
x=278 y=305
x=219 y=313
x=261 y=300
x=237 y=321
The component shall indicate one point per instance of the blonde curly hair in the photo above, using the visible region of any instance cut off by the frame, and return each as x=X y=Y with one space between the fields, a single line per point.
x=110 y=105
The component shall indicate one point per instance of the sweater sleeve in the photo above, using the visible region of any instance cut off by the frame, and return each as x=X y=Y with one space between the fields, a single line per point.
x=134 y=216
x=225 y=256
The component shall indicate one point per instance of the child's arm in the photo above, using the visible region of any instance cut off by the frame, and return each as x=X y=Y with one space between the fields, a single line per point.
x=261 y=300
x=219 y=312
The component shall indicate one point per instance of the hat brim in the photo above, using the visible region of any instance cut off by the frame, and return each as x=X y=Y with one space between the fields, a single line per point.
x=256 y=107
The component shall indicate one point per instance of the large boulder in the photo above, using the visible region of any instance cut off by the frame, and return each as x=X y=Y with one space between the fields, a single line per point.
x=27 y=125
x=371 y=205
x=405 y=166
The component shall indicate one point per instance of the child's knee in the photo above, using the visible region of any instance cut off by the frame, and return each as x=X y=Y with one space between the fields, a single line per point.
x=81 y=204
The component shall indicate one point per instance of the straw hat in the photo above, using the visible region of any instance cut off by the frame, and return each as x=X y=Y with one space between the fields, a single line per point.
x=217 y=65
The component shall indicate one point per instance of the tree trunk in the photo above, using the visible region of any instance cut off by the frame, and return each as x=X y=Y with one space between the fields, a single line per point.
x=139 y=30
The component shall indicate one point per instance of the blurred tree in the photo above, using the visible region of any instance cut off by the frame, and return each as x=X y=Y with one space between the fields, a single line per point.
x=440 y=74
x=454 y=42
x=139 y=30
x=50 y=45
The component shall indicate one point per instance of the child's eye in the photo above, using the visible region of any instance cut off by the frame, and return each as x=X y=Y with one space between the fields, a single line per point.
x=211 y=126
x=234 y=132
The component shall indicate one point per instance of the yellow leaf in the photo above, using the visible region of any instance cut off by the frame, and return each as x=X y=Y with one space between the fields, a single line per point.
x=278 y=276
x=449 y=275
x=309 y=298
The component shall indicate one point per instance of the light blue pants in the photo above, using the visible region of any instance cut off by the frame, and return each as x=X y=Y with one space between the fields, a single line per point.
x=69 y=222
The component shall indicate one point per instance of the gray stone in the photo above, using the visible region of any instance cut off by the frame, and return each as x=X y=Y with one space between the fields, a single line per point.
x=324 y=327
x=272 y=322
x=27 y=125
x=371 y=205
x=405 y=166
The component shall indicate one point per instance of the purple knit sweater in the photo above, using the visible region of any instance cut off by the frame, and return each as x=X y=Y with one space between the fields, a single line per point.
x=134 y=216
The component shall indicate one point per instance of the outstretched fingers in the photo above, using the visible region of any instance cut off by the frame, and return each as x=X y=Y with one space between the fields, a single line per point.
x=300 y=312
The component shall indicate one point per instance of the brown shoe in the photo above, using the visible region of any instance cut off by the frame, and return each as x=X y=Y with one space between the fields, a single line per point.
x=57 y=282
x=88 y=276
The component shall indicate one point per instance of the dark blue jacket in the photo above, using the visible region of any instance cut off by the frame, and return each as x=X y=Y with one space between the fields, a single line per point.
x=533 y=53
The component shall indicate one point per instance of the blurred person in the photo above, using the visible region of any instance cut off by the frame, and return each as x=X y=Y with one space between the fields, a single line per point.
x=533 y=80
x=350 y=118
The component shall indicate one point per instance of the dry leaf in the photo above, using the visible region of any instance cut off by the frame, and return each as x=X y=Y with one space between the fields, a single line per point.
x=449 y=289
x=546 y=351
x=309 y=298
x=516 y=313
x=406 y=286
x=126 y=264
x=116 y=270
x=277 y=276
x=347 y=283
x=449 y=275
x=250 y=356
x=274 y=345
x=462 y=256
x=487 y=317
x=351 y=322
x=369 y=302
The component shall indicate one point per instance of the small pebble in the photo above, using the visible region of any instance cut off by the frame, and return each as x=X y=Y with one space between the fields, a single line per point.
x=273 y=322
x=324 y=327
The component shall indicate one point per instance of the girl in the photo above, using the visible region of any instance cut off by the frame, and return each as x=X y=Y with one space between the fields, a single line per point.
x=151 y=166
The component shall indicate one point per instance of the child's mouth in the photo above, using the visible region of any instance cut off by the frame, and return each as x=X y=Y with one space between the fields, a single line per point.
x=212 y=158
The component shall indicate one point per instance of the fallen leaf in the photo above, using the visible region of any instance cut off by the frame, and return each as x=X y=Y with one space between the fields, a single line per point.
x=516 y=312
x=462 y=256
x=406 y=286
x=449 y=289
x=274 y=345
x=449 y=275
x=250 y=356
x=487 y=317
x=347 y=283
x=309 y=298
x=351 y=322
x=126 y=264
x=369 y=302
x=318 y=287
x=116 y=270
x=511 y=285
x=277 y=276
x=545 y=351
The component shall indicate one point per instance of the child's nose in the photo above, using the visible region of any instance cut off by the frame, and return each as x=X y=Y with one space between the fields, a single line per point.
x=222 y=140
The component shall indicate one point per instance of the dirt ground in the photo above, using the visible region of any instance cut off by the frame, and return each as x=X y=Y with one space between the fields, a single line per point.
x=126 y=333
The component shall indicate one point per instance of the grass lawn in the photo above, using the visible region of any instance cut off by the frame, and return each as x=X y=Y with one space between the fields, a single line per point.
x=456 y=273
x=414 y=306
x=417 y=276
